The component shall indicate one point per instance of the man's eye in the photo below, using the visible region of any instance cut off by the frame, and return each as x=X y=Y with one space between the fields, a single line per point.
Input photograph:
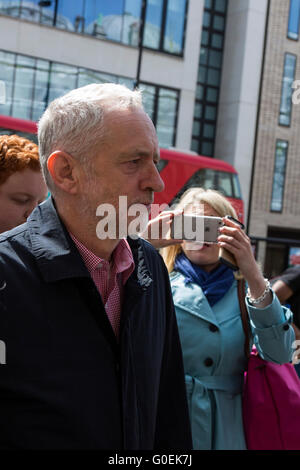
x=20 y=201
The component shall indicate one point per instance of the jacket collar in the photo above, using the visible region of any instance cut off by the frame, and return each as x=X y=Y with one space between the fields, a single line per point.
x=56 y=254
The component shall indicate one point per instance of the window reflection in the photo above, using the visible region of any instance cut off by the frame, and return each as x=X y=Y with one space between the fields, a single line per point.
x=22 y=98
x=173 y=40
x=7 y=66
x=117 y=20
x=152 y=30
x=286 y=91
x=279 y=175
x=294 y=16
x=166 y=116
x=31 y=84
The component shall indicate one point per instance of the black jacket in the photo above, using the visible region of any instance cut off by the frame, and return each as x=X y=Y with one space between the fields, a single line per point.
x=67 y=383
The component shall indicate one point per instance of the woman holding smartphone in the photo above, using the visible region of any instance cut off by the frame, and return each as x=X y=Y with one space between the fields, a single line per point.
x=209 y=320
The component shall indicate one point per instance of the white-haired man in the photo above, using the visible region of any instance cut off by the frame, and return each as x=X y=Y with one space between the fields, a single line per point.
x=93 y=358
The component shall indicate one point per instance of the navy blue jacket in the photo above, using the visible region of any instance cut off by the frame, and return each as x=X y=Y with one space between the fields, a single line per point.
x=66 y=383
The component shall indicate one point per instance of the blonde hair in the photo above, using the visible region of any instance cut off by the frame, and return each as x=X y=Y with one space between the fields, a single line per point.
x=197 y=196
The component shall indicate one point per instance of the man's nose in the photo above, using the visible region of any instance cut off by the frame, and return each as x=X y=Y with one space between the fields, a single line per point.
x=153 y=180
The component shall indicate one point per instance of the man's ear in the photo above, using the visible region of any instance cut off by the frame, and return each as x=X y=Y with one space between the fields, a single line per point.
x=63 y=169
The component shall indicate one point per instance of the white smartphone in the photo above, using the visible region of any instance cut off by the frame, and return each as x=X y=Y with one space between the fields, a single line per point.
x=198 y=228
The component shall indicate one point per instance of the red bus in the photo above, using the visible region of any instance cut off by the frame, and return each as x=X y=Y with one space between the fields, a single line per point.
x=179 y=169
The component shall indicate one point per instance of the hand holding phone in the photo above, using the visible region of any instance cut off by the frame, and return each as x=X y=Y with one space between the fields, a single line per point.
x=224 y=255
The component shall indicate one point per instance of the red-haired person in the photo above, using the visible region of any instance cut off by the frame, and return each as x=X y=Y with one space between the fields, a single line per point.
x=22 y=186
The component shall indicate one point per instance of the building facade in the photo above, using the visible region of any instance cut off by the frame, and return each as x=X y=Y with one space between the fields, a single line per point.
x=275 y=193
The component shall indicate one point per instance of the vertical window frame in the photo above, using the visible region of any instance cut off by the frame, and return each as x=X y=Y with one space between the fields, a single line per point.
x=284 y=176
x=294 y=36
x=282 y=90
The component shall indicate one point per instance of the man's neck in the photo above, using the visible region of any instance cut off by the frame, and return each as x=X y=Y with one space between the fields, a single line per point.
x=85 y=232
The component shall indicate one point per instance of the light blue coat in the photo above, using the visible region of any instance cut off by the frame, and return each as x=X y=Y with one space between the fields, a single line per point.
x=212 y=340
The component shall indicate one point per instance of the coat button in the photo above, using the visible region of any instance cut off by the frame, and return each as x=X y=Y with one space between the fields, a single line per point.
x=208 y=362
x=213 y=328
x=286 y=327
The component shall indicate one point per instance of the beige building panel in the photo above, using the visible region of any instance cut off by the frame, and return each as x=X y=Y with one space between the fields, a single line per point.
x=269 y=131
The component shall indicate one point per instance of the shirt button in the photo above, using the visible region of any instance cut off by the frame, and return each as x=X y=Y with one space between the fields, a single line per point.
x=208 y=362
x=213 y=328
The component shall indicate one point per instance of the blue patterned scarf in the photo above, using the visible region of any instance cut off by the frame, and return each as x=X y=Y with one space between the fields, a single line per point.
x=214 y=284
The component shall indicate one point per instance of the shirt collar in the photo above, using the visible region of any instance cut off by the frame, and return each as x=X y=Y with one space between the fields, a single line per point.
x=121 y=256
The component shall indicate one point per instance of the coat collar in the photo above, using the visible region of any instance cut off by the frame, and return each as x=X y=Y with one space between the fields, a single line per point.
x=190 y=297
x=56 y=254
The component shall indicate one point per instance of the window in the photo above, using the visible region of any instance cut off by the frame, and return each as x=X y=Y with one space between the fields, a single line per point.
x=31 y=83
x=117 y=20
x=161 y=105
x=294 y=16
x=279 y=176
x=165 y=25
x=286 y=91
x=207 y=178
x=209 y=77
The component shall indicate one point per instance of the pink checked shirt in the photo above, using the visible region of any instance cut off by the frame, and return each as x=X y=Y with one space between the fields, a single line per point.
x=109 y=277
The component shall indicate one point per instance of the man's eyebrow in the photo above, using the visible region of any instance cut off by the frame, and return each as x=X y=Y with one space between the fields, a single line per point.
x=137 y=153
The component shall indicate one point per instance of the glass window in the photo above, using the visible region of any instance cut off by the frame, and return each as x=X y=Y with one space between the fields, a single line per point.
x=198 y=110
x=215 y=58
x=199 y=92
x=10 y=8
x=131 y=22
x=23 y=87
x=209 y=131
x=206 y=19
x=152 y=30
x=224 y=183
x=286 y=91
x=202 y=74
x=70 y=15
x=107 y=20
x=63 y=78
x=149 y=99
x=86 y=77
x=204 y=37
x=207 y=148
x=294 y=16
x=196 y=128
x=208 y=4
x=279 y=175
x=212 y=94
x=220 y=5
x=219 y=22
x=217 y=40
x=203 y=56
x=213 y=77
x=41 y=88
x=174 y=29
x=166 y=116
x=210 y=112
x=7 y=66
x=195 y=145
